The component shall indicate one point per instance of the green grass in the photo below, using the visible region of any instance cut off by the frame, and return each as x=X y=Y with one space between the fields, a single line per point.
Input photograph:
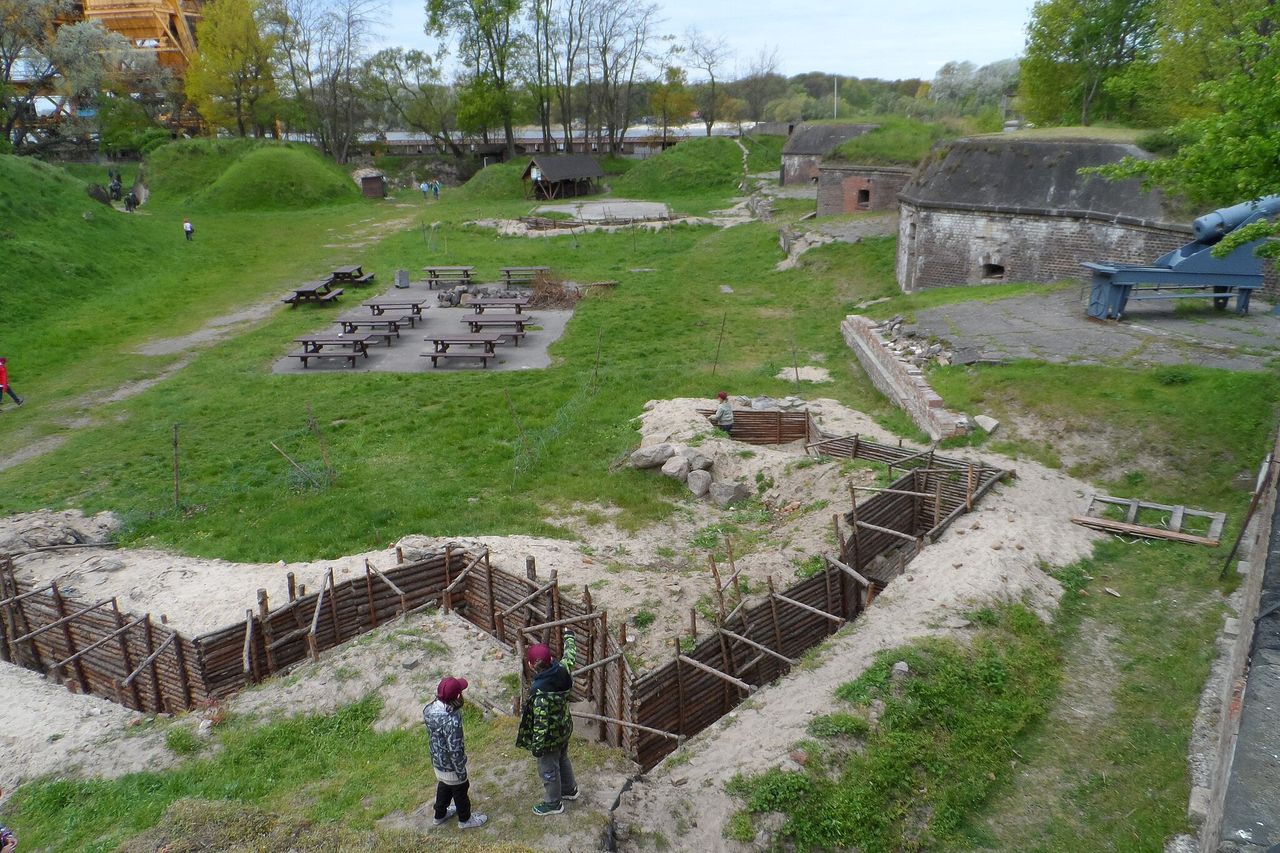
x=331 y=772
x=896 y=142
x=694 y=167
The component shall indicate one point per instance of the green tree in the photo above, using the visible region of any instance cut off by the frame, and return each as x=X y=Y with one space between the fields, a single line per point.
x=1200 y=40
x=489 y=38
x=670 y=100
x=1076 y=49
x=406 y=85
x=26 y=60
x=231 y=81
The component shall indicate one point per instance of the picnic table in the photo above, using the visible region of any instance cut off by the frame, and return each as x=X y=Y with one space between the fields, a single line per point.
x=479 y=322
x=382 y=305
x=356 y=343
x=447 y=275
x=478 y=305
x=441 y=351
x=351 y=275
x=522 y=275
x=351 y=324
x=314 y=291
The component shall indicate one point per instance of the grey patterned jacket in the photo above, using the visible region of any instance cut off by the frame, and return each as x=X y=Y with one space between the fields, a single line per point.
x=448 y=753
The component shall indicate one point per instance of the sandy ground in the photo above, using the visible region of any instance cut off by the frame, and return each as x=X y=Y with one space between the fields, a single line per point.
x=995 y=553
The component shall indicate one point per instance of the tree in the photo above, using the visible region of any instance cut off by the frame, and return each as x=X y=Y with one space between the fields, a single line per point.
x=27 y=68
x=1199 y=40
x=670 y=100
x=489 y=34
x=709 y=56
x=761 y=83
x=232 y=81
x=619 y=37
x=406 y=85
x=1075 y=47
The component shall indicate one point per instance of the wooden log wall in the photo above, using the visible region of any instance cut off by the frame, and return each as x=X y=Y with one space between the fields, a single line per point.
x=767 y=427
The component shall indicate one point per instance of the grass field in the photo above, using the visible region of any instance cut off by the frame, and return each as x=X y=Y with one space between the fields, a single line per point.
x=85 y=289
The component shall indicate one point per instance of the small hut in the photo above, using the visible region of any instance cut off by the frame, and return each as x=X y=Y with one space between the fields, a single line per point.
x=552 y=176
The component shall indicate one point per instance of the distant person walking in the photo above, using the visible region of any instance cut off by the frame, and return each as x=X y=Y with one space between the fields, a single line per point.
x=723 y=417
x=435 y=189
x=546 y=724
x=4 y=382
x=443 y=719
x=425 y=186
x=188 y=229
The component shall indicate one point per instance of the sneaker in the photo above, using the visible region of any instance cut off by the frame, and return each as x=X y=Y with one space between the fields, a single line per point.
x=569 y=795
x=452 y=811
x=477 y=820
x=544 y=809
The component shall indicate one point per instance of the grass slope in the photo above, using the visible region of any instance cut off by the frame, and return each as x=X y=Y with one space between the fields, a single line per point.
x=694 y=167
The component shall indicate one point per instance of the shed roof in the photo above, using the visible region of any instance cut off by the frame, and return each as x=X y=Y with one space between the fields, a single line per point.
x=990 y=172
x=565 y=167
x=823 y=138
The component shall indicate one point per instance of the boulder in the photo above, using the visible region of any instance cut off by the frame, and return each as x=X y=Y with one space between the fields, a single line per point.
x=764 y=404
x=699 y=482
x=727 y=494
x=698 y=461
x=988 y=424
x=677 y=467
x=652 y=457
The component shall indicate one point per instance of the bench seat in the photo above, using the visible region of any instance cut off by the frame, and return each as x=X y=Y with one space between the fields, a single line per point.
x=468 y=353
x=349 y=355
x=332 y=295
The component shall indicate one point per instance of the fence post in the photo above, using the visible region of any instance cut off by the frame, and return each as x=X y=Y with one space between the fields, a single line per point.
x=488 y=585
x=622 y=677
x=157 y=696
x=368 y=591
x=333 y=608
x=126 y=657
x=180 y=657
x=66 y=635
x=679 y=689
x=602 y=697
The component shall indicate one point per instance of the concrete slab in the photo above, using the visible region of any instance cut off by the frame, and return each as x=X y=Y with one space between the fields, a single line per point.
x=405 y=354
x=603 y=211
x=1054 y=327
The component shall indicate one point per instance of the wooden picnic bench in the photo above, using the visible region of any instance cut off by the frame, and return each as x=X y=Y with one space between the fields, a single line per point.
x=316 y=343
x=351 y=275
x=380 y=306
x=479 y=322
x=483 y=355
x=306 y=356
x=447 y=275
x=478 y=305
x=442 y=342
x=523 y=275
x=313 y=291
x=390 y=324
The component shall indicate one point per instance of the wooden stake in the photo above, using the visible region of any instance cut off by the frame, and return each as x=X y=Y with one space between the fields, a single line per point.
x=66 y=636
x=719 y=340
x=177 y=491
x=679 y=689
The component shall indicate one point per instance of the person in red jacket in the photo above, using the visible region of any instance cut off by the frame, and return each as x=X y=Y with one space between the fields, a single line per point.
x=4 y=382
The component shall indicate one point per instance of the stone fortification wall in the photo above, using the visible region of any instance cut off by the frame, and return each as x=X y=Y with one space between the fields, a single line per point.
x=849 y=188
x=800 y=168
x=941 y=247
x=901 y=382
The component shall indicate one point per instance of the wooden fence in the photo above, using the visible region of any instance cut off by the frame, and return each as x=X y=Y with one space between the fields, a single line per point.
x=96 y=648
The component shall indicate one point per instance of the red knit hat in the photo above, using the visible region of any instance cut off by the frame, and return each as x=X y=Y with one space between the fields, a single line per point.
x=723 y=395
x=538 y=654
x=450 y=689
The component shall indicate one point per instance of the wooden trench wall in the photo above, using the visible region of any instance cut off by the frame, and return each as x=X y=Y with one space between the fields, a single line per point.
x=95 y=647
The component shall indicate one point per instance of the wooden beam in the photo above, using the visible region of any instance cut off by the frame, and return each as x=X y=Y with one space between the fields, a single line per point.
x=697 y=664
x=584 y=715
x=113 y=635
x=815 y=611
x=542 y=590
x=869 y=526
x=64 y=620
x=559 y=623
x=848 y=571
x=753 y=644
x=151 y=657
x=1110 y=526
x=602 y=662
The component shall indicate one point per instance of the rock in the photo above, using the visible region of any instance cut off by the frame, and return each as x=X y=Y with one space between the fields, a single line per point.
x=698 y=461
x=205 y=727
x=677 y=467
x=727 y=494
x=763 y=403
x=699 y=482
x=988 y=424
x=901 y=670
x=799 y=756
x=107 y=565
x=996 y=546
x=652 y=457
x=411 y=664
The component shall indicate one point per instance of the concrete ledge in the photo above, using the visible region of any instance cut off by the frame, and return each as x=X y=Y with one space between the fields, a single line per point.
x=902 y=383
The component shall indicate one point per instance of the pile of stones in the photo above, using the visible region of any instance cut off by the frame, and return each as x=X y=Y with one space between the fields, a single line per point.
x=454 y=296
x=692 y=467
x=901 y=340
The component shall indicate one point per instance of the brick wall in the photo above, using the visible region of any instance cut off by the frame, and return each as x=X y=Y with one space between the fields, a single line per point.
x=937 y=248
x=902 y=383
x=838 y=187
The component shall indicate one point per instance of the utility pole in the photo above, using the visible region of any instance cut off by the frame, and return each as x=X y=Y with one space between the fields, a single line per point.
x=835 y=93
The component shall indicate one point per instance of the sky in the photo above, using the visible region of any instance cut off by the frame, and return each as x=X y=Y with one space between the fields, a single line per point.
x=908 y=38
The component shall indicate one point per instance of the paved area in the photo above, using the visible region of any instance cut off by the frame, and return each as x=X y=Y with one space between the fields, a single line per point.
x=1054 y=327
x=405 y=354
x=604 y=211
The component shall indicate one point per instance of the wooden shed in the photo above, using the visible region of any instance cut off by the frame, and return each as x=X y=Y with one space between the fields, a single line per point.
x=551 y=176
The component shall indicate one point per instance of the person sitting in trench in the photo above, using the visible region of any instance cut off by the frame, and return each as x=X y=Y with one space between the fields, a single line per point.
x=723 y=417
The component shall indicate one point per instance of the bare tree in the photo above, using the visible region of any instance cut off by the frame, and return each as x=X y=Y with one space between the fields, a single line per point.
x=619 y=38
x=489 y=32
x=27 y=67
x=407 y=86
x=708 y=55
x=761 y=83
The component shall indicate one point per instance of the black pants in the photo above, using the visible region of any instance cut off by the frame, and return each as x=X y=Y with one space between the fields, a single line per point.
x=446 y=793
x=9 y=390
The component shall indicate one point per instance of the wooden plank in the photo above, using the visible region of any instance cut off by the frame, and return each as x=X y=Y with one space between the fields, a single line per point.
x=697 y=664
x=150 y=658
x=850 y=572
x=1110 y=526
x=768 y=651
x=890 y=531
x=814 y=610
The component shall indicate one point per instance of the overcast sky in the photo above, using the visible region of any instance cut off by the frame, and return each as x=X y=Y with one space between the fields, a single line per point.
x=890 y=40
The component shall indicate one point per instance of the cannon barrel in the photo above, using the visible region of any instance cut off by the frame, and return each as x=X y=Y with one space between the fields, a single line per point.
x=1211 y=227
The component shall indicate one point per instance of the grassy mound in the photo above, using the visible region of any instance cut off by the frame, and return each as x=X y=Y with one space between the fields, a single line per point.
x=694 y=166
x=247 y=174
x=896 y=142
x=279 y=178
x=55 y=241
x=499 y=182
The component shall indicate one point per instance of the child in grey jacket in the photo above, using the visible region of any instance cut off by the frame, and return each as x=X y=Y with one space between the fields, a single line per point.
x=443 y=718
